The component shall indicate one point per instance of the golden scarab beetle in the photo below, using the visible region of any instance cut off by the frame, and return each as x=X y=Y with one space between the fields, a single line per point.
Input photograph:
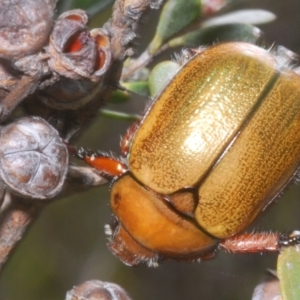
x=216 y=146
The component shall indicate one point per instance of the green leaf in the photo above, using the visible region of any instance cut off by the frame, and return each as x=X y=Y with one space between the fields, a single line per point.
x=249 y=16
x=219 y=33
x=288 y=270
x=175 y=16
x=160 y=75
x=138 y=87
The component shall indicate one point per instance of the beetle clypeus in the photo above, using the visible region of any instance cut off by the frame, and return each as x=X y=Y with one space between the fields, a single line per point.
x=206 y=159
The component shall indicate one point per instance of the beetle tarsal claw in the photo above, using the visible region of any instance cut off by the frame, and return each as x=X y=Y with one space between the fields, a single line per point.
x=291 y=239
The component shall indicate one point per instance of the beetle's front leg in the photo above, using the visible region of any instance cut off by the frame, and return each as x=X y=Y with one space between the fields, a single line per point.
x=259 y=242
x=104 y=169
x=105 y=164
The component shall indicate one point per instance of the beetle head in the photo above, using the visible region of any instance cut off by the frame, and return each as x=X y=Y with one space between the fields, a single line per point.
x=150 y=229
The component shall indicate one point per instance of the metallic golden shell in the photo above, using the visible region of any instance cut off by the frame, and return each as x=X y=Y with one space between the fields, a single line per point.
x=199 y=114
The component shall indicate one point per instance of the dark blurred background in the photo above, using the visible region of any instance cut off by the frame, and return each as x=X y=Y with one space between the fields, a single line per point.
x=66 y=245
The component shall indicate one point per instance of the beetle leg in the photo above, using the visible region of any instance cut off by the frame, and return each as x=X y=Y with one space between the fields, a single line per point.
x=259 y=242
x=292 y=239
x=127 y=137
x=103 y=163
x=123 y=246
x=252 y=243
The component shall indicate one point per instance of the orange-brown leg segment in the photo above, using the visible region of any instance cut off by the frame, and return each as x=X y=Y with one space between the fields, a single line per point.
x=259 y=242
x=103 y=163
